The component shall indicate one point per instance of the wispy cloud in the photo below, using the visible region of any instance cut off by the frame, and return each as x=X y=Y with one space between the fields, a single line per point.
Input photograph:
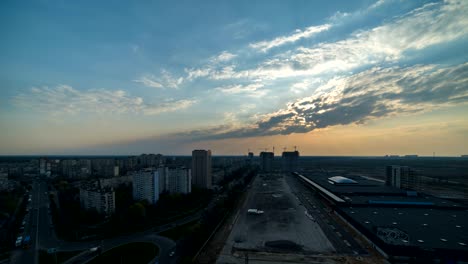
x=372 y=94
x=253 y=89
x=223 y=57
x=171 y=106
x=65 y=100
x=297 y=35
x=149 y=81
x=430 y=25
x=165 y=80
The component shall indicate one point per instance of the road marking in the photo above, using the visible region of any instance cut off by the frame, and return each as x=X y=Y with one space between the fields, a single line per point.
x=347 y=243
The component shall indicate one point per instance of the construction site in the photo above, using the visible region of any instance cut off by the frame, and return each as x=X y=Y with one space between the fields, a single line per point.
x=274 y=225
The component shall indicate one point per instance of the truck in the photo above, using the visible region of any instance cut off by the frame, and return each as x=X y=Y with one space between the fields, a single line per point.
x=27 y=242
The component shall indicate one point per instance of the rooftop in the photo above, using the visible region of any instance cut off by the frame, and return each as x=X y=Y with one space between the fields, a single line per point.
x=341 y=180
x=362 y=186
x=426 y=228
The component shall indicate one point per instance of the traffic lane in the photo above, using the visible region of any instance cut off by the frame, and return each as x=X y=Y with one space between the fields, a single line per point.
x=344 y=235
x=321 y=220
x=165 y=245
x=21 y=255
x=47 y=238
x=332 y=237
x=46 y=234
x=338 y=234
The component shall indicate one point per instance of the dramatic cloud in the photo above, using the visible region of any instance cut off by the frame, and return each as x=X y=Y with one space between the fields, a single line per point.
x=64 y=100
x=371 y=94
x=165 y=80
x=427 y=26
x=424 y=27
x=297 y=35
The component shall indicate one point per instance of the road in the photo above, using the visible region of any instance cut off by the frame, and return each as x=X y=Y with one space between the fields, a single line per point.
x=165 y=245
x=343 y=242
x=39 y=227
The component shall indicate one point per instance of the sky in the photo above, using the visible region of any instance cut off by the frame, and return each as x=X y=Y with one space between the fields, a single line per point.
x=352 y=78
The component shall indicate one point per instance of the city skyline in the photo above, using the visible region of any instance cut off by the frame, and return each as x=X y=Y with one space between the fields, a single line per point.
x=360 y=78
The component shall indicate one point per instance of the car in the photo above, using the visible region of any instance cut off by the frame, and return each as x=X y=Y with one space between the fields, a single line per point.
x=171 y=254
x=18 y=242
x=94 y=249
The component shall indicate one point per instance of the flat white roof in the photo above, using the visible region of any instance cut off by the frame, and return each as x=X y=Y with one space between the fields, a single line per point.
x=341 y=180
x=323 y=190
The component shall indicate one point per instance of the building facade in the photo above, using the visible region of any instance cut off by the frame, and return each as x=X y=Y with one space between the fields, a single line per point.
x=100 y=199
x=146 y=186
x=266 y=161
x=402 y=177
x=201 y=169
x=179 y=180
x=290 y=161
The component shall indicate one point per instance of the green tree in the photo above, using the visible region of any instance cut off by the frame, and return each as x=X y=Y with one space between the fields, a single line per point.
x=137 y=211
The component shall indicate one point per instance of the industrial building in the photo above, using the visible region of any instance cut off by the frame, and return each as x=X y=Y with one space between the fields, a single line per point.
x=403 y=225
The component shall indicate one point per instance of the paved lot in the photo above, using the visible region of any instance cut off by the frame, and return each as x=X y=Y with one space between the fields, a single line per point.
x=283 y=227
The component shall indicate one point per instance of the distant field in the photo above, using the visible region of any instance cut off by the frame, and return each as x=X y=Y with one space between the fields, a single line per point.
x=452 y=168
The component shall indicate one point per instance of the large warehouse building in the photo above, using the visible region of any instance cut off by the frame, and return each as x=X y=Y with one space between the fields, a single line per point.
x=403 y=225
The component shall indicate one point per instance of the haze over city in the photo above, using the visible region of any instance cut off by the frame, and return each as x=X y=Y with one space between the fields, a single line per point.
x=335 y=78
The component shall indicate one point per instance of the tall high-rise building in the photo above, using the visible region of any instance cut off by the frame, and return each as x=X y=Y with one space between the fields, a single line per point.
x=201 y=168
x=289 y=161
x=162 y=174
x=402 y=177
x=146 y=186
x=179 y=180
x=266 y=161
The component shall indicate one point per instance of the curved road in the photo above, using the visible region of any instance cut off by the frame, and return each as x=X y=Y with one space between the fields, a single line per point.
x=43 y=235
